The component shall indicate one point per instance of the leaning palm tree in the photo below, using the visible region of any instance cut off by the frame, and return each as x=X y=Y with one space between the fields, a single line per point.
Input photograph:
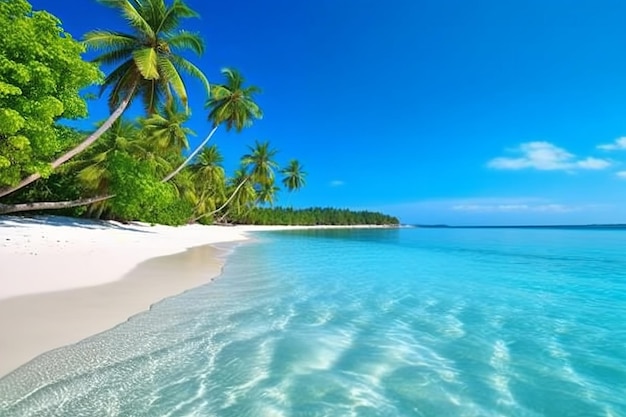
x=147 y=64
x=242 y=197
x=231 y=104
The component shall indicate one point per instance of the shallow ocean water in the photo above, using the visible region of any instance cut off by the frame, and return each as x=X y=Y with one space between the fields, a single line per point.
x=394 y=322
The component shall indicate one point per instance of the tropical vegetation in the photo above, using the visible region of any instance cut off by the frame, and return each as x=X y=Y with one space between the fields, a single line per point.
x=137 y=168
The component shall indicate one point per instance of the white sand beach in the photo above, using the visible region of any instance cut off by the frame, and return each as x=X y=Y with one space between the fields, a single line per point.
x=64 y=279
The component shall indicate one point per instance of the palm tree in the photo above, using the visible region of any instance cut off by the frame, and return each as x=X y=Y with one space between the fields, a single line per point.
x=147 y=60
x=147 y=64
x=208 y=167
x=257 y=169
x=243 y=194
x=209 y=179
x=266 y=193
x=167 y=131
x=294 y=177
x=231 y=104
x=260 y=162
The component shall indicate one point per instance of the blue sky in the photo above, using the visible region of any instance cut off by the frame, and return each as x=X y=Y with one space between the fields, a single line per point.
x=483 y=112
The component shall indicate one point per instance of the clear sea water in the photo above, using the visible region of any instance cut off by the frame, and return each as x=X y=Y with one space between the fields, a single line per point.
x=401 y=322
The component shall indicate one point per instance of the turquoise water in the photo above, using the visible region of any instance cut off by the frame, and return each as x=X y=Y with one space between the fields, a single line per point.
x=403 y=322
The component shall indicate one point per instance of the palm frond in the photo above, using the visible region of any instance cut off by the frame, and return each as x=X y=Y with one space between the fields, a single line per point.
x=104 y=39
x=172 y=77
x=151 y=92
x=173 y=15
x=185 y=66
x=186 y=40
x=132 y=15
x=122 y=79
x=114 y=56
x=234 y=79
x=146 y=61
x=153 y=11
x=218 y=92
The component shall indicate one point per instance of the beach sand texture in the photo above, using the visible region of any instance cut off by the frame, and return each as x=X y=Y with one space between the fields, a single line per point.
x=61 y=278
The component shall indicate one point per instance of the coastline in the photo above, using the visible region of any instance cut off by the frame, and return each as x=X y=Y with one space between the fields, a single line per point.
x=64 y=279
x=33 y=324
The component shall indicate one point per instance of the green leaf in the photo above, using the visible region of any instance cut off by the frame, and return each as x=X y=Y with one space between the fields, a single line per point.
x=146 y=61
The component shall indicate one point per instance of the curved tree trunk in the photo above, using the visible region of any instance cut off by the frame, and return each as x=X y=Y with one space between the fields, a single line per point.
x=217 y=210
x=50 y=205
x=190 y=157
x=77 y=149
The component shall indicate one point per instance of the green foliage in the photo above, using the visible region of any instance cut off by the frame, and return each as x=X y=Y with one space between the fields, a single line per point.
x=166 y=129
x=232 y=103
x=260 y=163
x=141 y=196
x=312 y=217
x=129 y=163
x=41 y=75
x=209 y=181
x=294 y=176
x=147 y=60
x=59 y=186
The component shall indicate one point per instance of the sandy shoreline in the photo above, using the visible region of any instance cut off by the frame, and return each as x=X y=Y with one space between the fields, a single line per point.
x=64 y=279
x=36 y=323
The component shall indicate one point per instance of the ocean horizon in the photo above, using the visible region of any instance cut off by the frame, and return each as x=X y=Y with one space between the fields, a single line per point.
x=424 y=321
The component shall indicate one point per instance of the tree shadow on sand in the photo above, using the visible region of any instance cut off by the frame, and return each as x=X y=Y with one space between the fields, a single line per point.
x=24 y=221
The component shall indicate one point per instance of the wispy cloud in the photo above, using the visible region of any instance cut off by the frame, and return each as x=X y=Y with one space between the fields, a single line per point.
x=337 y=183
x=522 y=210
x=545 y=156
x=618 y=144
x=621 y=174
x=515 y=208
x=498 y=205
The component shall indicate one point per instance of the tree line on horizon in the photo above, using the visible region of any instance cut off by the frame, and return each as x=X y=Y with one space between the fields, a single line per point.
x=313 y=216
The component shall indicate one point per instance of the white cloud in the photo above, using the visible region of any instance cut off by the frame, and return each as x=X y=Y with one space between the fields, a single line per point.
x=545 y=156
x=618 y=144
x=593 y=163
x=337 y=183
x=621 y=174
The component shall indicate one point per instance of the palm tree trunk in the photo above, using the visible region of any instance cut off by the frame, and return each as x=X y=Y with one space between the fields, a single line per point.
x=50 y=205
x=217 y=210
x=190 y=157
x=76 y=150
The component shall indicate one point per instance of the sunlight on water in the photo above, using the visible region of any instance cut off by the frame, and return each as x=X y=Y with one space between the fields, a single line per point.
x=408 y=322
